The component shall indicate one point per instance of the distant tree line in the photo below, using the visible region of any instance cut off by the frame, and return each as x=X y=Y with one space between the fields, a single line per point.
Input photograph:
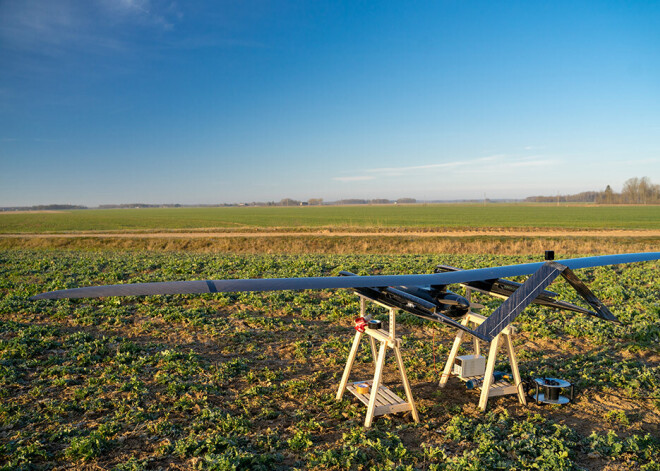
x=377 y=201
x=320 y=202
x=44 y=207
x=635 y=191
x=137 y=205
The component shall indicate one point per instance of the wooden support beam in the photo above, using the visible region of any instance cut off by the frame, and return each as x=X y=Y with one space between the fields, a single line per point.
x=452 y=354
x=404 y=380
x=349 y=365
x=488 y=375
x=513 y=361
x=378 y=377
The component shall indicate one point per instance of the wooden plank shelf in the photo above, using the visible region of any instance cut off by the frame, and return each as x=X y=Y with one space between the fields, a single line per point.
x=387 y=401
x=501 y=387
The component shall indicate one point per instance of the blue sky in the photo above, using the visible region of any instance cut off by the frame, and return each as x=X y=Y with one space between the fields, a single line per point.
x=209 y=102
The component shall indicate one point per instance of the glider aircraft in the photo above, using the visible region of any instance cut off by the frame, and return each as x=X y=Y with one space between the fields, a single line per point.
x=424 y=295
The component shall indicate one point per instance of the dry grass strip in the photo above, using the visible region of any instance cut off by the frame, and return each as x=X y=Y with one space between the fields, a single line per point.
x=320 y=244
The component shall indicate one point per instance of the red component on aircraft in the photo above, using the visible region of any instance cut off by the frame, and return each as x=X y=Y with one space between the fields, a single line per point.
x=360 y=324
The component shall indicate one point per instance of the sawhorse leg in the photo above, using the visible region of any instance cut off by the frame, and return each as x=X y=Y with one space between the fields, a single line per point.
x=349 y=365
x=378 y=378
x=372 y=341
x=406 y=384
x=513 y=362
x=374 y=352
x=488 y=375
x=452 y=355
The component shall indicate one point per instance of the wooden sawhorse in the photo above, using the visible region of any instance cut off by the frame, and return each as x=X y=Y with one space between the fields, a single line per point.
x=379 y=399
x=489 y=388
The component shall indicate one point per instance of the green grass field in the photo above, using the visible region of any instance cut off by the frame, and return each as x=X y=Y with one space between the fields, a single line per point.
x=404 y=216
x=247 y=381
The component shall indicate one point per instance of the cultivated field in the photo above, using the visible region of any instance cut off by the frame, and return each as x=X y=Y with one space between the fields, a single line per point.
x=432 y=216
x=247 y=381
x=412 y=229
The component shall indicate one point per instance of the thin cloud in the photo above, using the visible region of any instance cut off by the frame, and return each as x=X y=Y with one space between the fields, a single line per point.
x=59 y=28
x=354 y=179
x=510 y=164
x=491 y=158
x=401 y=171
x=415 y=167
x=41 y=139
x=35 y=26
x=147 y=11
x=134 y=5
x=481 y=165
x=532 y=163
x=649 y=160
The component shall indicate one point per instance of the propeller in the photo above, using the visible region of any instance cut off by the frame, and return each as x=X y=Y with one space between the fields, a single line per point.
x=454 y=302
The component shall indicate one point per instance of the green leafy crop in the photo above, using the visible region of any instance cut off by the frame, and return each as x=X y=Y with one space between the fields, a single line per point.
x=248 y=380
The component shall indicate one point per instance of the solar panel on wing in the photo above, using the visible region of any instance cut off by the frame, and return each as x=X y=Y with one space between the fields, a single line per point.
x=519 y=300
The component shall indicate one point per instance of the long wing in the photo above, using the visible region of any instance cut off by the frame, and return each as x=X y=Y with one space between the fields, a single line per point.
x=333 y=282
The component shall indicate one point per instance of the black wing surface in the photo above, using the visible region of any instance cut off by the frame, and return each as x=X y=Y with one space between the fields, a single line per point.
x=334 y=282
